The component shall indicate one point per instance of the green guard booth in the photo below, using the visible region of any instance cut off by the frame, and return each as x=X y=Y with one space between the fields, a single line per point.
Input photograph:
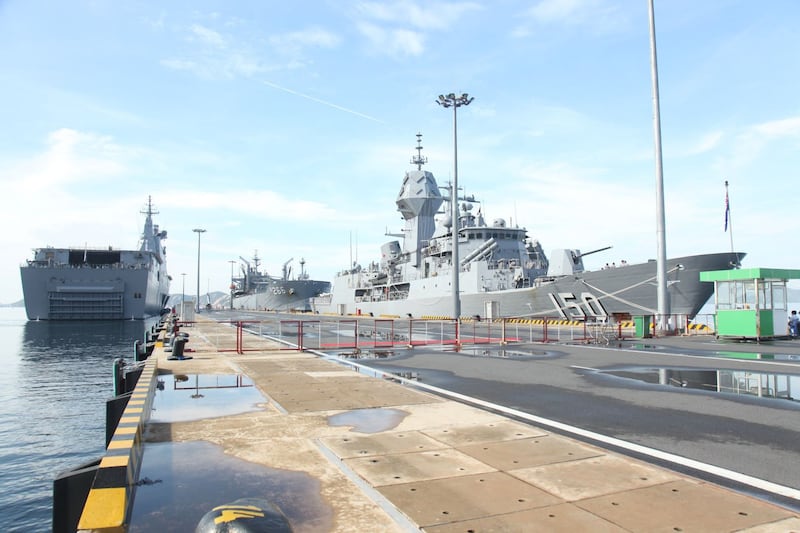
x=751 y=303
x=641 y=326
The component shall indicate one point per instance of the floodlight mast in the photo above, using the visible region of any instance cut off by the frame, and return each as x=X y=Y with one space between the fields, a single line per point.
x=455 y=101
x=199 y=232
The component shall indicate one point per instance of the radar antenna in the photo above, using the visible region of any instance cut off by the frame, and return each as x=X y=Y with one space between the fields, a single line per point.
x=149 y=210
x=419 y=159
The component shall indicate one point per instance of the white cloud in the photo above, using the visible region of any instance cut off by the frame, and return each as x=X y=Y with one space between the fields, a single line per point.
x=600 y=15
x=706 y=143
x=71 y=157
x=259 y=203
x=316 y=37
x=752 y=141
x=393 y=42
x=433 y=16
x=397 y=28
x=208 y=36
x=560 y=10
x=787 y=127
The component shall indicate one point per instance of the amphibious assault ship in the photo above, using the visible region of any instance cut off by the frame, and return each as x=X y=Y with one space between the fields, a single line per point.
x=98 y=283
x=502 y=271
x=257 y=290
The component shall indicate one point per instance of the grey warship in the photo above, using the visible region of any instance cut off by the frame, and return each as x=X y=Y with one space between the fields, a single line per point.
x=99 y=283
x=258 y=290
x=502 y=271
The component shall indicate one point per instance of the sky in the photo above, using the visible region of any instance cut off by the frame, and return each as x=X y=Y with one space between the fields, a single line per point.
x=285 y=128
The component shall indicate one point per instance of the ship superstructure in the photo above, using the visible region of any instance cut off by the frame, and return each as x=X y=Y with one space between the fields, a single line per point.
x=502 y=271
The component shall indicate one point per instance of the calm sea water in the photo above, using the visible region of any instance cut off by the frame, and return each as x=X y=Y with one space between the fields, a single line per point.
x=55 y=378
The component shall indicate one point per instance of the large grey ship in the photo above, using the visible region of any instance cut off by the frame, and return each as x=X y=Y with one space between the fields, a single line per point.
x=502 y=271
x=258 y=290
x=98 y=283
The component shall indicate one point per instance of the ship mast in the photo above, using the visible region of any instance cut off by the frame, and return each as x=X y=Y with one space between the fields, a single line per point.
x=419 y=159
x=148 y=232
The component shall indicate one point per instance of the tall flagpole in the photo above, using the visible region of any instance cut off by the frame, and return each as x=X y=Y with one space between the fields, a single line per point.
x=661 y=260
x=728 y=220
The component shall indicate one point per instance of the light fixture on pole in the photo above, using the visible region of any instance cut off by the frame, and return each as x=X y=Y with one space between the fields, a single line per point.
x=199 y=231
x=233 y=286
x=455 y=101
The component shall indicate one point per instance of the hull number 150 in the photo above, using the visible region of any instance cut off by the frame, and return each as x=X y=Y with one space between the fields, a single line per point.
x=581 y=307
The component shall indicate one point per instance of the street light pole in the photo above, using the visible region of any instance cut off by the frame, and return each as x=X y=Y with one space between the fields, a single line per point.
x=199 y=231
x=183 y=293
x=455 y=101
x=663 y=304
x=232 y=262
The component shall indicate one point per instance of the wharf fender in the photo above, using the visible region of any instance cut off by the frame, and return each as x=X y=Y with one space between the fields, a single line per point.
x=108 y=504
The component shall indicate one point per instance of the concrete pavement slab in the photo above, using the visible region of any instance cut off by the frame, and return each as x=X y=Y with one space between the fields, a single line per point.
x=682 y=505
x=409 y=467
x=455 y=499
x=595 y=476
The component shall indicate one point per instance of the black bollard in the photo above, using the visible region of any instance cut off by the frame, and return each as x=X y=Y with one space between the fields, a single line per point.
x=247 y=515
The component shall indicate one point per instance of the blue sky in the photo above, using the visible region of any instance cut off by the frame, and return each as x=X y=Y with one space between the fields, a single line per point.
x=286 y=127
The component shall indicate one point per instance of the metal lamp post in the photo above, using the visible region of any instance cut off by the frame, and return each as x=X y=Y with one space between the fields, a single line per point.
x=663 y=303
x=455 y=101
x=199 y=231
x=183 y=293
x=232 y=262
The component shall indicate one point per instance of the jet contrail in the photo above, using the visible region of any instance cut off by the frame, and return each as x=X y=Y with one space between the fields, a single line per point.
x=323 y=102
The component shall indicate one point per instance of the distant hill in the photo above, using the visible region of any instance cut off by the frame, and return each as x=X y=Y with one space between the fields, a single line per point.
x=213 y=297
x=20 y=303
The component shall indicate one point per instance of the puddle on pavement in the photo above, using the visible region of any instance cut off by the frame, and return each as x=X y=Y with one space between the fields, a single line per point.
x=184 y=397
x=755 y=384
x=730 y=354
x=369 y=420
x=367 y=353
x=181 y=482
x=478 y=351
x=758 y=355
x=492 y=351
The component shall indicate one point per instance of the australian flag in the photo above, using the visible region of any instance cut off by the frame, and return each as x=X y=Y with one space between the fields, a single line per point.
x=727 y=209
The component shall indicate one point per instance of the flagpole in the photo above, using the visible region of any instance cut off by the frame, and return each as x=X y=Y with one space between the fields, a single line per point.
x=728 y=219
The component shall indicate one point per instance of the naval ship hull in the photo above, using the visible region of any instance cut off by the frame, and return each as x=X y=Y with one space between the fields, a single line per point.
x=98 y=283
x=620 y=292
x=86 y=293
x=282 y=295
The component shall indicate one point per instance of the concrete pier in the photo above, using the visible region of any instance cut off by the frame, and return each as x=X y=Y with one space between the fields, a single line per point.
x=440 y=465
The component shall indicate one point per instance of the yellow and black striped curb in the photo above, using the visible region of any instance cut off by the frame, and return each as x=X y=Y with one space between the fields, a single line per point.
x=111 y=495
x=702 y=328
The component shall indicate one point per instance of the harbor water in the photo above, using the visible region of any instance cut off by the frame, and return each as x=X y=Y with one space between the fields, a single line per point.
x=54 y=383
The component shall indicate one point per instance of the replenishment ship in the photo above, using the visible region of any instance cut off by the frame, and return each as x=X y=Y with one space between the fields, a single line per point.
x=257 y=290
x=502 y=271
x=99 y=283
